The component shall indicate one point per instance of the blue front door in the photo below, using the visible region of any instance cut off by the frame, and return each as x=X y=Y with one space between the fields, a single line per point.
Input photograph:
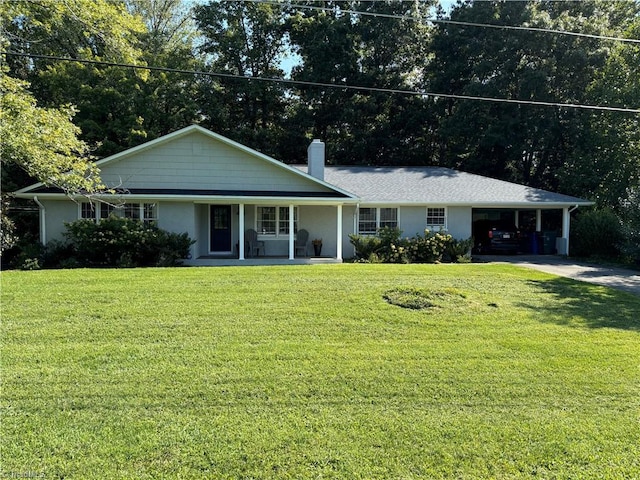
x=220 y=228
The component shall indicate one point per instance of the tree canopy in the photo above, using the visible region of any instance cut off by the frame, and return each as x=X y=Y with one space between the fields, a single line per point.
x=388 y=46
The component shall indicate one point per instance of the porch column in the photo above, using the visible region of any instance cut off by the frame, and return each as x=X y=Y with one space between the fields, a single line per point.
x=538 y=220
x=241 y=231
x=292 y=245
x=566 y=221
x=339 y=233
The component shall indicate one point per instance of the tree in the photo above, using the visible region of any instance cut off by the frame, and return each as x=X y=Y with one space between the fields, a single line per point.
x=85 y=30
x=371 y=50
x=606 y=160
x=36 y=121
x=243 y=39
x=167 y=101
x=44 y=141
x=534 y=145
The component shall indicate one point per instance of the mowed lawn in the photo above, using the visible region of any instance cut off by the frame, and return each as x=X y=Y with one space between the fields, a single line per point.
x=308 y=372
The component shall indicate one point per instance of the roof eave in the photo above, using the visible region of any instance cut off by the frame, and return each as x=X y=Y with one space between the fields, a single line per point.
x=197 y=198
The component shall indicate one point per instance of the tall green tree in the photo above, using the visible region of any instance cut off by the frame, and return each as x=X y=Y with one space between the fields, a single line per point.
x=167 y=100
x=386 y=47
x=243 y=39
x=85 y=30
x=606 y=161
x=524 y=143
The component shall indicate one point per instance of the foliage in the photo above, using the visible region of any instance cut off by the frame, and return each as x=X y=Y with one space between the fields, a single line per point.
x=225 y=373
x=244 y=39
x=43 y=141
x=386 y=49
x=25 y=255
x=459 y=250
x=389 y=247
x=7 y=227
x=588 y=154
x=630 y=214
x=596 y=233
x=124 y=242
x=430 y=247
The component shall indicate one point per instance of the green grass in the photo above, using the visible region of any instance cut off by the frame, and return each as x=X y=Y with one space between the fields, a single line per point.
x=309 y=372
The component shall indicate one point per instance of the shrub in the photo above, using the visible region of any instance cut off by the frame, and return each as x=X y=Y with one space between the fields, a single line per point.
x=429 y=248
x=459 y=251
x=27 y=255
x=388 y=247
x=630 y=214
x=596 y=233
x=366 y=246
x=123 y=242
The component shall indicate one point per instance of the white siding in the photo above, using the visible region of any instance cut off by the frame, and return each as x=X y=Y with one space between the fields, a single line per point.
x=413 y=221
x=198 y=162
x=57 y=213
x=459 y=222
x=179 y=217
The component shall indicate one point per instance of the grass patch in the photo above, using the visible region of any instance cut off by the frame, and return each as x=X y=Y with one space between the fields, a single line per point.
x=425 y=298
x=308 y=372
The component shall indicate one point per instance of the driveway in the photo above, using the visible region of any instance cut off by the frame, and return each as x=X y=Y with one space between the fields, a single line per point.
x=620 y=278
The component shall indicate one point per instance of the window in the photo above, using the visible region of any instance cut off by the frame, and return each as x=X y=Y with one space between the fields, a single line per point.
x=367 y=221
x=370 y=220
x=274 y=221
x=87 y=211
x=283 y=220
x=388 y=217
x=147 y=212
x=105 y=210
x=95 y=211
x=437 y=218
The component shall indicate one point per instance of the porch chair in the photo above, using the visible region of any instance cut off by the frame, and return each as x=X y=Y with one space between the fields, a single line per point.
x=301 y=242
x=253 y=244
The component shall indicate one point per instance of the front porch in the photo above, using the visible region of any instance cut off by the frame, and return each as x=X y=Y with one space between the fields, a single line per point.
x=225 y=233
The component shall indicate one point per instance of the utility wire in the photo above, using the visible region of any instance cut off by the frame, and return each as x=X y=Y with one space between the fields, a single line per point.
x=453 y=22
x=326 y=85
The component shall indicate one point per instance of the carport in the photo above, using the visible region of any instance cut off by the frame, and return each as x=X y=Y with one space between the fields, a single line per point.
x=543 y=230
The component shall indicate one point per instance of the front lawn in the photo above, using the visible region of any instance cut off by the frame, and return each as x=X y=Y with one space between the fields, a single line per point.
x=316 y=372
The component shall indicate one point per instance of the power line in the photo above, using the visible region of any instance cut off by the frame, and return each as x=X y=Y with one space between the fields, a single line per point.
x=327 y=85
x=454 y=22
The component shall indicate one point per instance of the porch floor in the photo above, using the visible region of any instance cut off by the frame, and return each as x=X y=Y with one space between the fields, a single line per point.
x=216 y=261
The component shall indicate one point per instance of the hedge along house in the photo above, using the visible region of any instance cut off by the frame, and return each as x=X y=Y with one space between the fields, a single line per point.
x=218 y=191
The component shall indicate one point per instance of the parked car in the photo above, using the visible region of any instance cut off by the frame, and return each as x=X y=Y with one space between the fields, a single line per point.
x=496 y=236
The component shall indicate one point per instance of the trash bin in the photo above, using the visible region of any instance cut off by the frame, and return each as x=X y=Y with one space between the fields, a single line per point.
x=549 y=243
x=533 y=243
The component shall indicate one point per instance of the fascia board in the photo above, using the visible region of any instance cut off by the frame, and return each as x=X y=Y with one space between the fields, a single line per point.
x=542 y=205
x=197 y=198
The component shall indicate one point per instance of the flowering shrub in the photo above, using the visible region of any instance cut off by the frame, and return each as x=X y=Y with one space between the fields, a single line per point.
x=123 y=242
x=430 y=248
x=389 y=247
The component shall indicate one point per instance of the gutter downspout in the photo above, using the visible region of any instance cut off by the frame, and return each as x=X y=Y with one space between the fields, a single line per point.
x=566 y=225
x=356 y=215
x=43 y=221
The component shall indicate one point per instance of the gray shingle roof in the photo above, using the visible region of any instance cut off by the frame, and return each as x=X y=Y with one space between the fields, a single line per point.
x=437 y=186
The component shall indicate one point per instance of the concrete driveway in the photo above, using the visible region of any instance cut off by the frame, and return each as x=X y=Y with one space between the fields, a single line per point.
x=620 y=278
